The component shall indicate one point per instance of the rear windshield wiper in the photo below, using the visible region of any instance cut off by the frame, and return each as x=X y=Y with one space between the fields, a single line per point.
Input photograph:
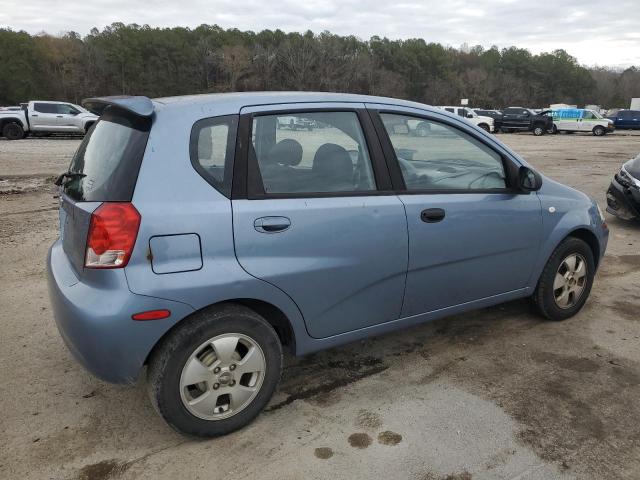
x=69 y=176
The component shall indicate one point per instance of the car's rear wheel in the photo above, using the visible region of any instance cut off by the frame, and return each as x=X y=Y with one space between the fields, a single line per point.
x=13 y=131
x=566 y=280
x=215 y=373
x=554 y=130
x=599 y=131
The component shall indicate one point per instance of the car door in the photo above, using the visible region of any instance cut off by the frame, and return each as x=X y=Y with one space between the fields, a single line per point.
x=634 y=121
x=472 y=236
x=587 y=121
x=317 y=216
x=66 y=119
x=624 y=119
x=43 y=117
x=510 y=118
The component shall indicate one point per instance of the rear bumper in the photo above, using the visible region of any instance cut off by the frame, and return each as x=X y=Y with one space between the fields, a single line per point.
x=93 y=315
x=623 y=202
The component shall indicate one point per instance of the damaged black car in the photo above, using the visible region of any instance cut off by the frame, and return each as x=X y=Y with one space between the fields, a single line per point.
x=623 y=196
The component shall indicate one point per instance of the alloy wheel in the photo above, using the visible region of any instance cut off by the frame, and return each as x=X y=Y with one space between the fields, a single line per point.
x=570 y=281
x=222 y=376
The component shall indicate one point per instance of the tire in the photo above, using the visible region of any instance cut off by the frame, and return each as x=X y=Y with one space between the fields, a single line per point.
x=599 y=131
x=13 y=131
x=539 y=130
x=554 y=130
x=549 y=301
x=485 y=127
x=169 y=362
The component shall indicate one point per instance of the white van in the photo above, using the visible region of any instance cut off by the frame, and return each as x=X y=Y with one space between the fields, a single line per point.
x=485 y=123
x=580 y=120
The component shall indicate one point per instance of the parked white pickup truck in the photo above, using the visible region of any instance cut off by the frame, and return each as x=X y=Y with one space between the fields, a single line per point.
x=485 y=123
x=43 y=117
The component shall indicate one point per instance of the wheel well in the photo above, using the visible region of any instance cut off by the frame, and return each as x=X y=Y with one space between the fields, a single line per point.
x=269 y=312
x=275 y=317
x=88 y=125
x=5 y=121
x=590 y=239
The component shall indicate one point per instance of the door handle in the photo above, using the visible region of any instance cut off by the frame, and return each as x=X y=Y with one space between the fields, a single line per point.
x=59 y=116
x=271 y=224
x=432 y=215
x=33 y=115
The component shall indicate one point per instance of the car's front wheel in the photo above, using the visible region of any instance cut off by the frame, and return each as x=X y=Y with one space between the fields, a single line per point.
x=539 y=130
x=566 y=280
x=599 y=131
x=215 y=373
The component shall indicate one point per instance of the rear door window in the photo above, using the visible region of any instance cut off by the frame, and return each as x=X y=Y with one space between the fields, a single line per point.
x=45 y=108
x=105 y=167
x=315 y=152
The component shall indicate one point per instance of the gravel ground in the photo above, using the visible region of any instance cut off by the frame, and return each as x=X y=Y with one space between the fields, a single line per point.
x=497 y=393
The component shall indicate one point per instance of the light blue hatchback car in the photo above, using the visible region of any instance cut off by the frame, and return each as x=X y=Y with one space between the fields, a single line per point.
x=201 y=235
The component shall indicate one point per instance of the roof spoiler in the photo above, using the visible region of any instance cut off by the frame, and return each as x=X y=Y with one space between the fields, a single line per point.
x=137 y=105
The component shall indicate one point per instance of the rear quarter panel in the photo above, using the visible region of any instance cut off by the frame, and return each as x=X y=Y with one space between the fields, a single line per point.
x=174 y=199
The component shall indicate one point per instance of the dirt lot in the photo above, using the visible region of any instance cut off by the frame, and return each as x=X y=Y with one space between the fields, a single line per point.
x=494 y=394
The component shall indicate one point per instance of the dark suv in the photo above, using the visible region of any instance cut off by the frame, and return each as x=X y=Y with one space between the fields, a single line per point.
x=523 y=119
x=626 y=119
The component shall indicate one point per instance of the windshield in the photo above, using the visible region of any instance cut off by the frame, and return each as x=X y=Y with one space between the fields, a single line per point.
x=105 y=166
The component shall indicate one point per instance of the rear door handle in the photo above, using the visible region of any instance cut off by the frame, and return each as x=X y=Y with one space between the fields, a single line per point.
x=432 y=215
x=271 y=224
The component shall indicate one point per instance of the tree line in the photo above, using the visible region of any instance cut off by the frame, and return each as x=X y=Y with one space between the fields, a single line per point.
x=143 y=60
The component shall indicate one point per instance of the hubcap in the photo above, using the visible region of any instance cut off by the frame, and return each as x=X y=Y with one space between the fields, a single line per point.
x=222 y=376
x=570 y=281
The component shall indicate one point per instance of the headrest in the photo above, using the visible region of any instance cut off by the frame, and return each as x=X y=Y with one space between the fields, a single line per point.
x=333 y=160
x=286 y=152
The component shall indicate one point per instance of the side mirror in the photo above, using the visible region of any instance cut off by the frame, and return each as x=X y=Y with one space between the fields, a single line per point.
x=529 y=180
x=469 y=115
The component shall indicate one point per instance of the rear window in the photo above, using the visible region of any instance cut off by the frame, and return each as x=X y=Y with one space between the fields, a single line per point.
x=106 y=165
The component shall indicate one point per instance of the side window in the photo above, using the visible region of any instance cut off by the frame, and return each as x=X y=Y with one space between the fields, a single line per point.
x=446 y=159
x=65 y=109
x=45 y=107
x=462 y=112
x=212 y=148
x=588 y=116
x=315 y=152
x=625 y=115
x=449 y=109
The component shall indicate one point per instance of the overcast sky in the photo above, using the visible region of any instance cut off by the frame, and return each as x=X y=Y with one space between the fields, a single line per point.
x=597 y=32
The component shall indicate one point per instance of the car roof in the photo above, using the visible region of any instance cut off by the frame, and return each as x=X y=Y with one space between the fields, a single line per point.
x=233 y=102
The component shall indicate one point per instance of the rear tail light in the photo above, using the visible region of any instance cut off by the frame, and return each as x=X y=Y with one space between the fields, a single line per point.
x=112 y=235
